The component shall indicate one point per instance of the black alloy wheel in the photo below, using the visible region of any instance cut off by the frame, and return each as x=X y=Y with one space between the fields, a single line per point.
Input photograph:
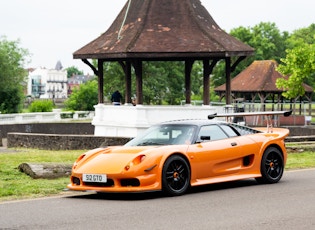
x=175 y=176
x=272 y=166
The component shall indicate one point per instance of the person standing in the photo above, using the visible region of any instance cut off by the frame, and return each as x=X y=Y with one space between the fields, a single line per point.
x=116 y=98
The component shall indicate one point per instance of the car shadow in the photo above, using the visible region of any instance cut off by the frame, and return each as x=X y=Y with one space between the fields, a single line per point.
x=119 y=196
x=159 y=194
x=223 y=186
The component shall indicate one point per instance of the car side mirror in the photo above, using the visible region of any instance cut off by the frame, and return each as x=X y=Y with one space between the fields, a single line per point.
x=205 y=138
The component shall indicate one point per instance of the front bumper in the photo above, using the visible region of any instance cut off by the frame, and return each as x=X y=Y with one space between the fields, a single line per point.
x=148 y=182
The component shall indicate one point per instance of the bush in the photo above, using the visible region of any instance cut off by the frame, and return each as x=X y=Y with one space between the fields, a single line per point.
x=41 y=106
x=11 y=100
x=83 y=98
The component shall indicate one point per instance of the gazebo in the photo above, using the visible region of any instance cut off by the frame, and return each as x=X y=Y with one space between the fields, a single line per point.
x=259 y=79
x=164 y=30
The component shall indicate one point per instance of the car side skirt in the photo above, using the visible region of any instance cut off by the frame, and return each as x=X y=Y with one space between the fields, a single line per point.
x=213 y=180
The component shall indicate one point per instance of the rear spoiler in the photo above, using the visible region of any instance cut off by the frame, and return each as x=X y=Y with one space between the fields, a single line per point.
x=229 y=116
x=244 y=114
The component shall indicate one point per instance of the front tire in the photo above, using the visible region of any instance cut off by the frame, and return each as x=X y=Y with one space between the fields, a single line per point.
x=175 y=176
x=272 y=166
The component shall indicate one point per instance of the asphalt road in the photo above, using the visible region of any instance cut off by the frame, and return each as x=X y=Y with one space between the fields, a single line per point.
x=290 y=204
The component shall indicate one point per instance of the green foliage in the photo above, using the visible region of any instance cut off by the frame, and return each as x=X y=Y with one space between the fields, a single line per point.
x=155 y=89
x=265 y=38
x=298 y=61
x=301 y=36
x=269 y=44
x=41 y=106
x=83 y=98
x=72 y=70
x=12 y=75
x=12 y=58
x=299 y=64
x=114 y=79
x=11 y=99
x=268 y=41
x=163 y=82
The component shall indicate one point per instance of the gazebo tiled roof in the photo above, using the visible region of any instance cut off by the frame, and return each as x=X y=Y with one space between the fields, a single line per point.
x=260 y=76
x=163 y=29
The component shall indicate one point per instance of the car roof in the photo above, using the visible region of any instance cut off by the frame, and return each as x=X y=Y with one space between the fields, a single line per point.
x=198 y=122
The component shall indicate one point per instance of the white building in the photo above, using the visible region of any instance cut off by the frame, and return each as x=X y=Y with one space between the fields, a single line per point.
x=48 y=83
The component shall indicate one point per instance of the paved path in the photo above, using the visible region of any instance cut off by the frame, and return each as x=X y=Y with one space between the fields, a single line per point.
x=290 y=204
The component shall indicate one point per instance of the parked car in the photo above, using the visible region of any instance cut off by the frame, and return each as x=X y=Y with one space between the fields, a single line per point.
x=173 y=156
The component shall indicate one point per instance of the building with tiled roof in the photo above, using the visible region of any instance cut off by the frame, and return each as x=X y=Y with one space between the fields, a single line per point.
x=76 y=80
x=258 y=80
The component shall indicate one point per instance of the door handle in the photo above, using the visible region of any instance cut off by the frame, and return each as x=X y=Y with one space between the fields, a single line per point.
x=233 y=143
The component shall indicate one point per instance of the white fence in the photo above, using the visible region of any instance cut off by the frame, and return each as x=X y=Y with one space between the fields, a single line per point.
x=55 y=116
x=297 y=108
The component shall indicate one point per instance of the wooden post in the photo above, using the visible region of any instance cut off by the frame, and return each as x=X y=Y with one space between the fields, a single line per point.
x=100 y=81
x=188 y=67
x=228 y=80
x=206 y=83
x=138 y=71
x=128 y=83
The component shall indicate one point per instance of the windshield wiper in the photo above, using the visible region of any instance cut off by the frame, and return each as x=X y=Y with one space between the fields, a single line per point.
x=146 y=143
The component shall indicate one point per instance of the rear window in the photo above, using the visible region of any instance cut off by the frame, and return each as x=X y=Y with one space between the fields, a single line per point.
x=244 y=130
x=229 y=130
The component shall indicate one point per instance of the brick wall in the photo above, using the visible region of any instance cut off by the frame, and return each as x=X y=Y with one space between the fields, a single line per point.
x=84 y=128
x=61 y=142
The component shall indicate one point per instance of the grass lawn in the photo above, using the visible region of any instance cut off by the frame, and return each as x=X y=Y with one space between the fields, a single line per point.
x=17 y=185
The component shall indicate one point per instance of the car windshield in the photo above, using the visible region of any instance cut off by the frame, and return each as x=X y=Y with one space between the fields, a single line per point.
x=167 y=134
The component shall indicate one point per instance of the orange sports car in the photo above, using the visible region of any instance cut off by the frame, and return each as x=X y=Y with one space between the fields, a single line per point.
x=173 y=156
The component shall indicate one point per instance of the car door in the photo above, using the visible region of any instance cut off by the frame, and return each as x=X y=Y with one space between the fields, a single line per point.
x=215 y=153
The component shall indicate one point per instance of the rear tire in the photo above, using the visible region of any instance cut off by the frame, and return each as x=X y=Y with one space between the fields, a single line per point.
x=175 y=176
x=272 y=166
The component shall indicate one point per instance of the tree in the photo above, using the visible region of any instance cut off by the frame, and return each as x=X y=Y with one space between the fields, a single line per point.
x=269 y=44
x=301 y=36
x=12 y=75
x=163 y=82
x=72 y=70
x=84 y=97
x=114 y=79
x=11 y=99
x=299 y=64
x=155 y=88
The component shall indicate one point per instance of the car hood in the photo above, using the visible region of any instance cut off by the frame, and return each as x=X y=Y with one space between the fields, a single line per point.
x=111 y=159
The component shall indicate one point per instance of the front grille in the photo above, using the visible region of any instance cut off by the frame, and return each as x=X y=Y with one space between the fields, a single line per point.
x=109 y=183
x=130 y=182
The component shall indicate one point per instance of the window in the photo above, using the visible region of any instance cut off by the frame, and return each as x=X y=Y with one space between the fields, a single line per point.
x=243 y=130
x=165 y=135
x=229 y=130
x=211 y=132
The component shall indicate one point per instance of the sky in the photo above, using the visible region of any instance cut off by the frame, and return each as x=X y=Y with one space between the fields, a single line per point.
x=53 y=30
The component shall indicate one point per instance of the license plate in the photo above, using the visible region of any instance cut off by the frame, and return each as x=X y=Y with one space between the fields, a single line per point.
x=98 y=178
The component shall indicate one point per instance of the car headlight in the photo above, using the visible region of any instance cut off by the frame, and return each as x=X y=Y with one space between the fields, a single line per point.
x=135 y=161
x=78 y=160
